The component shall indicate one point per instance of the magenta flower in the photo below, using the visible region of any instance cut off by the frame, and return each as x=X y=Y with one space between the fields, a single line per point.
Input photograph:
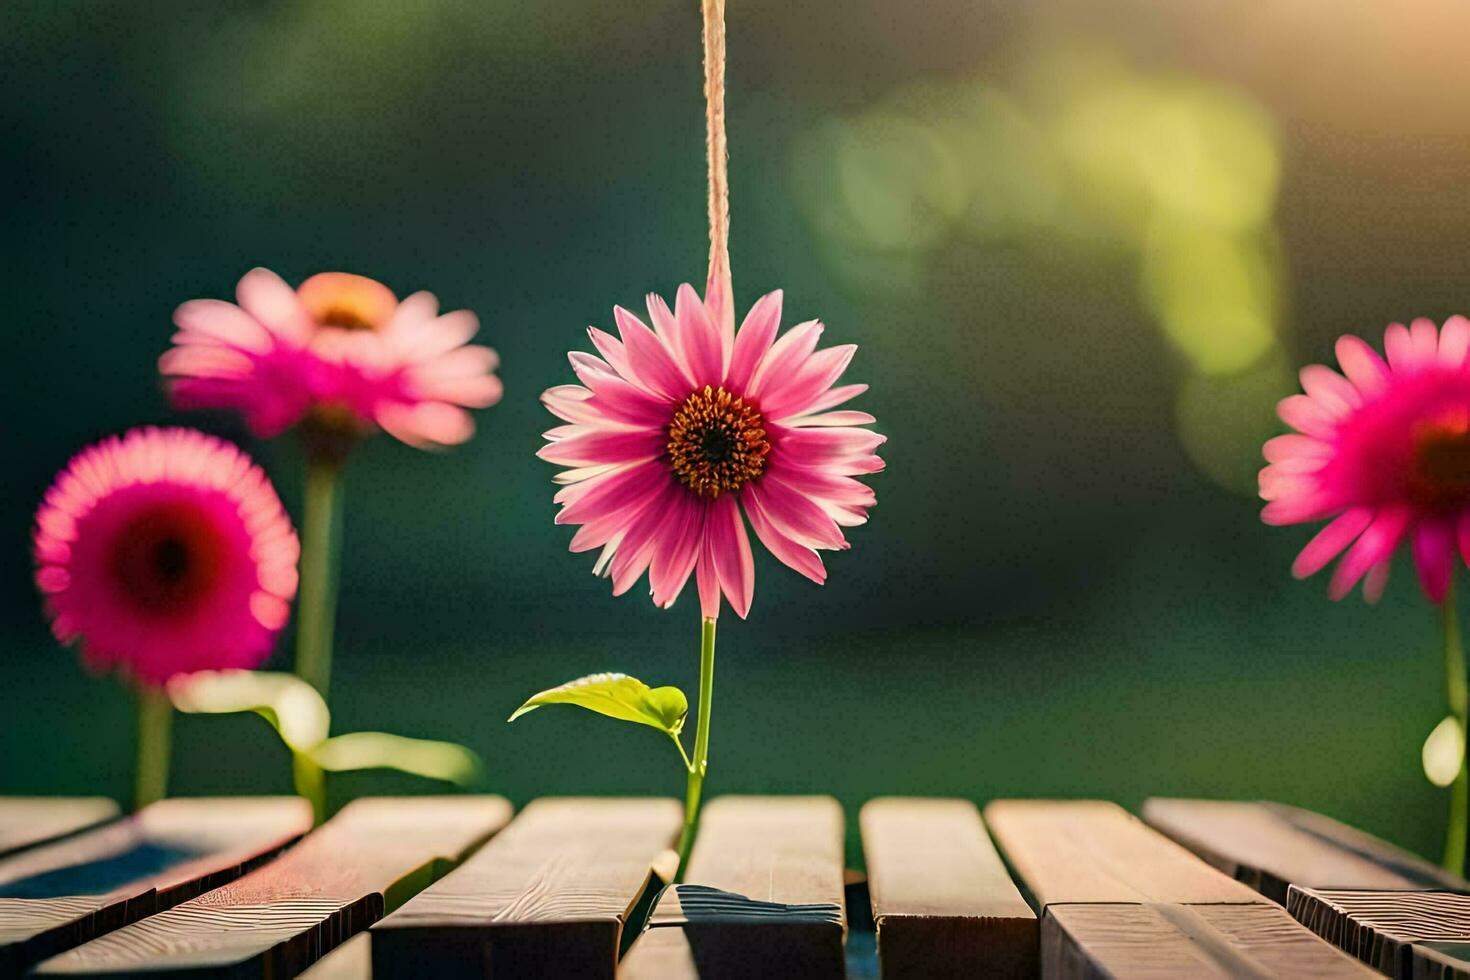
x=165 y=551
x=675 y=429
x=341 y=350
x=1385 y=453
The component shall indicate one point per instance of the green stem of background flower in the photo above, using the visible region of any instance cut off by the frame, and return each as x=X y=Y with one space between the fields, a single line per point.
x=1459 y=702
x=321 y=544
x=155 y=726
x=700 y=762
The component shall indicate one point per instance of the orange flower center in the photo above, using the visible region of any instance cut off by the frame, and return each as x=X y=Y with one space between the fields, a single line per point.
x=168 y=559
x=347 y=302
x=717 y=442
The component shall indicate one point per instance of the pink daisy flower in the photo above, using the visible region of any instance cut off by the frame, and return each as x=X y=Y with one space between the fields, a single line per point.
x=165 y=551
x=677 y=429
x=341 y=351
x=1385 y=453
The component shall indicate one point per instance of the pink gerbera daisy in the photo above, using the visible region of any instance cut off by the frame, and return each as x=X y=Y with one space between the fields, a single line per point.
x=674 y=429
x=165 y=551
x=1385 y=453
x=340 y=350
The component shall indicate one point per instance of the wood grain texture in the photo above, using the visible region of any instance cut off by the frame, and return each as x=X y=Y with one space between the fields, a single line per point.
x=547 y=897
x=1176 y=940
x=1386 y=929
x=1424 y=874
x=763 y=896
x=279 y=919
x=26 y=821
x=1259 y=845
x=1092 y=851
x=1440 y=961
x=59 y=895
x=943 y=903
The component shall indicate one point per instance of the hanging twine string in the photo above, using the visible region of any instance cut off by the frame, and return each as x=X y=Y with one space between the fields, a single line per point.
x=718 y=292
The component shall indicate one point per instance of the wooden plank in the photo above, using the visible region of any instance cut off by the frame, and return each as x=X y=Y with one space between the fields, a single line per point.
x=943 y=903
x=1424 y=874
x=764 y=896
x=1121 y=900
x=279 y=919
x=1093 y=851
x=1257 y=845
x=1175 y=940
x=1441 y=961
x=1388 y=930
x=548 y=897
x=26 y=821
x=58 y=895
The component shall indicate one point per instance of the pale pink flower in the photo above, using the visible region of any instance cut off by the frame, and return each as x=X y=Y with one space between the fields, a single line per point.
x=1385 y=453
x=675 y=429
x=341 y=351
x=165 y=551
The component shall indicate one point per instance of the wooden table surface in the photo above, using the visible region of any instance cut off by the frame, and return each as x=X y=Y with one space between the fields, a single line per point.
x=942 y=901
x=29 y=820
x=279 y=919
x=764 y=895
x=547 y=897
x=1119 y=899
x=58 y=895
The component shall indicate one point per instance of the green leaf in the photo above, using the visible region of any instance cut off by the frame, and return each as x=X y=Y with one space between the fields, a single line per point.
x=293 y=707
x=380 y=750
x=618 y=696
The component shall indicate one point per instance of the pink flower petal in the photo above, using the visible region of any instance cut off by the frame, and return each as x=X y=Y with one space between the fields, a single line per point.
x=597 y=446
x=1454 y=342
x=790 y=553
x=1374 y=545
x=708 y=581
x=1331 y=540
x=730 y=548
x=275 y=305
x=1362 y=365
x=426 y=425
x=1330 y=390
x=1295 y=446
x=1425 y=337
x=1433 y=546
x=847 y=418
x=616 y=491
x=784 y=357
x=698 y=338
x=611 y=348
x=651 y=361
x=1306 y=416
x=677 y=551
x=803 y=387
x=832 y=399
x=794 y=515
x=1376 y=581
x=224 y=322
x=754 y=339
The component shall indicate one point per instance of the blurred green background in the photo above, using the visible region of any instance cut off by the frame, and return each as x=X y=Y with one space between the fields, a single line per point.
x=1081 y=244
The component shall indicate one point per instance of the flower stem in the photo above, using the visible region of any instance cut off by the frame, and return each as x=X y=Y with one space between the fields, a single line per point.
x=1459 y=701
x=155 y=725
x=320 y=545
x=701 y=744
